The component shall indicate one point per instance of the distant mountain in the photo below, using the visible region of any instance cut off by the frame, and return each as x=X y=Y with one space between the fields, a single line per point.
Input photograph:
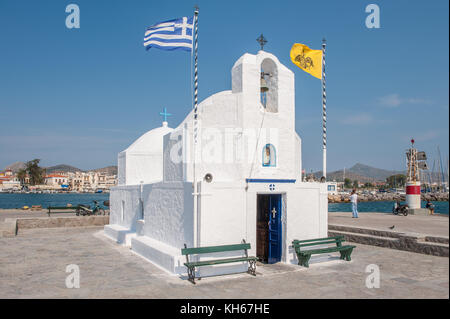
x=108 y=170
x=15 y=167
x=63 y=168
x=360 y=172
x=372 y=172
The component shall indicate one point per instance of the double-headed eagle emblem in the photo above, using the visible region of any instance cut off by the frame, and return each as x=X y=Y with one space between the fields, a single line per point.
x=305 y=62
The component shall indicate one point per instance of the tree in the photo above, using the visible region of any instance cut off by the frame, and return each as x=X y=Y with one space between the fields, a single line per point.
x=398 y=180
x=347 y=183
x=355 y=184
x=368 y=185
x=35 y=172
x=21 y=175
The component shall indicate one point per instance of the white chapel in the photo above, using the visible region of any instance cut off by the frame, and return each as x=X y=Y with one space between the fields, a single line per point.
x=247 y=164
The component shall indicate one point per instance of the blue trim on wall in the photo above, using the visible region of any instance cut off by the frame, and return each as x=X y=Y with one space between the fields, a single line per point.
x=259 y=180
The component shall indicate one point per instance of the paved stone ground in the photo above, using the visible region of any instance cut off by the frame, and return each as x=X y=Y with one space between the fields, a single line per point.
x=33 y=264
x=433 y=225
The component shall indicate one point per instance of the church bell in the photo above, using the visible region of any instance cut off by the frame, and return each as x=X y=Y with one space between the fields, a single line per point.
x=264 y=87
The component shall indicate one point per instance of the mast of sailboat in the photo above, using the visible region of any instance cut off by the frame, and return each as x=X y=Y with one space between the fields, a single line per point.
x=448 y=181
x=433 y=175
x=441 y=173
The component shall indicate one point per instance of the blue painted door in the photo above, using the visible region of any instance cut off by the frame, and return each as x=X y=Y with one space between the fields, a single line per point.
x=275 y=238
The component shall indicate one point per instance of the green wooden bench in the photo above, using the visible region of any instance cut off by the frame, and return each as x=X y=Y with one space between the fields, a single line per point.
x=303 y=251
x=217 y=249
x=64 y=209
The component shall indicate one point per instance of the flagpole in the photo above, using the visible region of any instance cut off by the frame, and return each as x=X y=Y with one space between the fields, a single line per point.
x=324 y=113
x=195 y=129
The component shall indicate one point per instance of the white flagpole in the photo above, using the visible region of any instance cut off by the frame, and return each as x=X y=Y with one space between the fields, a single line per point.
x=324 y=113
x=195 y=129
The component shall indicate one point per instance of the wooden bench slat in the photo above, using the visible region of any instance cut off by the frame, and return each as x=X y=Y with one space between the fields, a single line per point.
x=214 y=249
x=325 y=250
x=318 y=243
x=316 y=239
x=218 y=261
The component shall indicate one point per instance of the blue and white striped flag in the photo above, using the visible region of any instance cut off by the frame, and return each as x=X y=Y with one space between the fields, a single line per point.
x=170 y=35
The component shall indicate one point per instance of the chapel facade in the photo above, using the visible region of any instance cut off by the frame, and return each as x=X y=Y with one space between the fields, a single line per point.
x=247 y=169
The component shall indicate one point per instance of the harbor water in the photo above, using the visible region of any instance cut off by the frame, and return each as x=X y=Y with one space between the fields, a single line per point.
x=18 y=200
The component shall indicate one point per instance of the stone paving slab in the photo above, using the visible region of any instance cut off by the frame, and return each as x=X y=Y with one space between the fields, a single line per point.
x=33 y=265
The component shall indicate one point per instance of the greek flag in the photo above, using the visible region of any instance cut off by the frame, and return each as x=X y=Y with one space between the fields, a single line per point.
x=170 y=35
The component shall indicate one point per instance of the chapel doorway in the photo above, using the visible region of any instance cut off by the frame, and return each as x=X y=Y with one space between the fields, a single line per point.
x=268 y=228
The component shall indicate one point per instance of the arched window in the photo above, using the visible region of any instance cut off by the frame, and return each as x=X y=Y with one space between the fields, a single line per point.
x=269 y=156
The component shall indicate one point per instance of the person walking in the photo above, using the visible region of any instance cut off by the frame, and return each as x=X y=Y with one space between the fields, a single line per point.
x=354 y=200
x=430 y=206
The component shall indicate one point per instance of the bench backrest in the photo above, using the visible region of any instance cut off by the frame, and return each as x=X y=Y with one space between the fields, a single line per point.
x=318 y=241
x=214 y=249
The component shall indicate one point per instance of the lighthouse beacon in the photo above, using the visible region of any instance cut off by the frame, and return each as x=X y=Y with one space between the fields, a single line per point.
x=416 y=162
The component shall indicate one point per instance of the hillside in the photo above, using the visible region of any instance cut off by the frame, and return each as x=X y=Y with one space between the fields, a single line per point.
x=360 y=172
x=64 y=168
x=15 y=167
x=108 y=170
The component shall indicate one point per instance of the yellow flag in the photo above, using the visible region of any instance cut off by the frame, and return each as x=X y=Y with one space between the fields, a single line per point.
x=306 y=59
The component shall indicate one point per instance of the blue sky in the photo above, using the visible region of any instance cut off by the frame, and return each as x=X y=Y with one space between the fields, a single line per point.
x=80 y=96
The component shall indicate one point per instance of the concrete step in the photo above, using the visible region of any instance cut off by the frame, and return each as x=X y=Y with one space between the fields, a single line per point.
x=407 y=243
x=10 y=227
x=366 y=231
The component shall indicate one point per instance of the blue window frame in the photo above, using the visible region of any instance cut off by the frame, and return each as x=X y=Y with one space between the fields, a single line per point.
x=269 y=156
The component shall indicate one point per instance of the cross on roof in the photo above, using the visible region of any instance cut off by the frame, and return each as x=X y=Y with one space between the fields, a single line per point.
x=165 y=114
x=262 y=41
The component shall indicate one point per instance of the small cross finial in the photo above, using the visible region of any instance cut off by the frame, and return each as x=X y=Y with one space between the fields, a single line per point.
x=165 y=114
x=262 y=41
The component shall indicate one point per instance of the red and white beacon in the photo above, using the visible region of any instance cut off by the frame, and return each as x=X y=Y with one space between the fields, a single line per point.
x=416 y=162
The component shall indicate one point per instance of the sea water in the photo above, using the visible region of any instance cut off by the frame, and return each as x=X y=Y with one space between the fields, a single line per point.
x=19 y=200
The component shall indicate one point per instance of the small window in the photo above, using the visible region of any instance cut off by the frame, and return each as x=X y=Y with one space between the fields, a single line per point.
x=269 y=157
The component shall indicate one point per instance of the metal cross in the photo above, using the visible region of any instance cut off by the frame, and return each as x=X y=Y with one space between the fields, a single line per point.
x=165 y=114
x=262 y=41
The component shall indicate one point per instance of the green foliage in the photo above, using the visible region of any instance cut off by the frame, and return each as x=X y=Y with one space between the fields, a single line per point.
x=355 y=184
x=398 y=180
x=35 y=172
x=21 y=175
x=347 y=183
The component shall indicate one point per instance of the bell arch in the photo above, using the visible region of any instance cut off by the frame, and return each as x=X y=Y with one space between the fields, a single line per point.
x=269 y=85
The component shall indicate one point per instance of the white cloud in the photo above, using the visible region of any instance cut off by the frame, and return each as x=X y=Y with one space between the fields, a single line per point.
x=394 y=100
